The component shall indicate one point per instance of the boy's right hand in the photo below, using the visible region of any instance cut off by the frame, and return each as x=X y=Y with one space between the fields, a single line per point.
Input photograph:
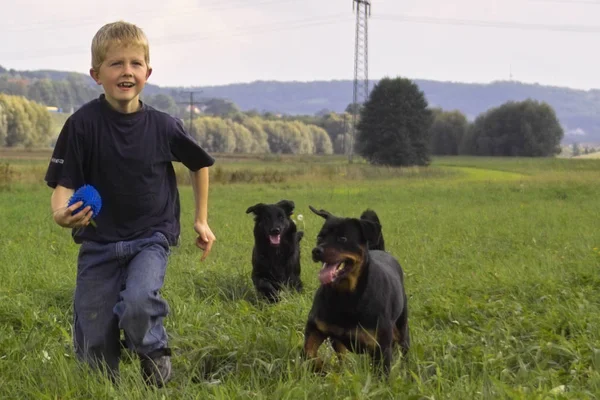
x=65 y=217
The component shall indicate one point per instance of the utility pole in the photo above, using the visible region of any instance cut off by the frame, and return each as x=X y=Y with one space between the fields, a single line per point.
x=191 y=104
x=361 y=64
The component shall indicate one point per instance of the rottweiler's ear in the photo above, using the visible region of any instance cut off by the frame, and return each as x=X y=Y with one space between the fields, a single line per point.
x=287 y=205
x=255 y=208
x=370 y=230
x=320 y=213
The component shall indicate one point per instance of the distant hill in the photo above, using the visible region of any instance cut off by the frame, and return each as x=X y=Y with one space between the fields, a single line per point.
x=577 y=110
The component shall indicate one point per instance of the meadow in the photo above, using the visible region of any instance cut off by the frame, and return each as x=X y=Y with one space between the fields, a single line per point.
x=501 y=259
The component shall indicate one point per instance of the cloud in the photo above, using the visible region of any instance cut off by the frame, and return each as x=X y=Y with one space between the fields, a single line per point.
x=576 y=132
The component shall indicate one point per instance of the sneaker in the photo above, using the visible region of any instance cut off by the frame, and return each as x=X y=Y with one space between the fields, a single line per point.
x=156 y=367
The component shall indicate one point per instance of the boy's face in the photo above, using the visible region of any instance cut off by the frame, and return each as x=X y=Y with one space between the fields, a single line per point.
x=123 y=75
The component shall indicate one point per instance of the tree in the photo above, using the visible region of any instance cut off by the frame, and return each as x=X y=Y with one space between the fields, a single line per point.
x=351 y=107
x=321 y=140
x=163 y=102
x=260 y=144
x=526 y=129
x=338 y=128
x=23 y=122
x=3 y=123
x=394 y=125
x=42 y=91
x=323 y=112
x=447 y=131
x=576 y=150
x=220 y=107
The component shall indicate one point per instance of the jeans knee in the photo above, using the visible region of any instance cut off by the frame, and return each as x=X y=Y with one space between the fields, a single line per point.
x=141 y=305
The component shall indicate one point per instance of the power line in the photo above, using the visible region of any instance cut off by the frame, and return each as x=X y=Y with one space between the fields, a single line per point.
x=192 y=105
x=572 y=2
x=192 y=37
x=491 y=24
x=155 y=14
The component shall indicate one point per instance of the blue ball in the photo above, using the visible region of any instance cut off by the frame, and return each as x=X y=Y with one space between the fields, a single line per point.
x=90 y=197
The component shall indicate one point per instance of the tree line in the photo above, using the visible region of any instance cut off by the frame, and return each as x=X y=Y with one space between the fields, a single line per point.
x=397 y=127
x=66 y=94
x=251 y=134
x=396 y=124
x=23 y=123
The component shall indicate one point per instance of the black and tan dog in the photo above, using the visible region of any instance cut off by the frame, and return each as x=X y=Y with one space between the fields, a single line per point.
x=361 y=304
x=276 y=252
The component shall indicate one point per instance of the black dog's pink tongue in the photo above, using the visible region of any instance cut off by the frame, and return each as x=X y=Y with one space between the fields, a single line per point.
x=274 y=239
x=328 y=273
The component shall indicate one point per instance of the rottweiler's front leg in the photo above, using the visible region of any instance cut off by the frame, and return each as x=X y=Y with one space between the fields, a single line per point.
x=340 y=349
x=313 y=338
x=382 y=355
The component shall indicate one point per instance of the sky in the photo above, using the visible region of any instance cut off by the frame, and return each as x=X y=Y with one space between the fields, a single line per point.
x=205 y=43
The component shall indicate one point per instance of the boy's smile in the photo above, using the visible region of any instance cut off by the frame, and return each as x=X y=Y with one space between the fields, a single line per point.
x=123 y=75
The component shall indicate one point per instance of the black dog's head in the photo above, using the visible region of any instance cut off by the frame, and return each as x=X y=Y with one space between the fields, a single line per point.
x=342 y=246
x=272 y=220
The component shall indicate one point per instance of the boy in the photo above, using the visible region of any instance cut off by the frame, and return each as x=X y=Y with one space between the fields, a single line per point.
x=125 y=148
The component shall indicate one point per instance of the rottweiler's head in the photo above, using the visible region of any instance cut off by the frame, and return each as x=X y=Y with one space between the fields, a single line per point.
x=272 y=220
x=342 y=246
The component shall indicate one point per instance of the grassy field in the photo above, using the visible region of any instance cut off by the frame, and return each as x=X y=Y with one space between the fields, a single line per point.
x=501 y=259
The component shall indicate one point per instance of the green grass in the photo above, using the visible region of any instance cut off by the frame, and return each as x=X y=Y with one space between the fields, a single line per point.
x=501 y=258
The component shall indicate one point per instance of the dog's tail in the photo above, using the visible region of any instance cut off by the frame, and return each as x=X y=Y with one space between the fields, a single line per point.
x=375 y=243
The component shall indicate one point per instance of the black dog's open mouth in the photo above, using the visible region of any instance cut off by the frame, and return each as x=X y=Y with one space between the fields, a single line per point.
x=332 y=271
x=275 y=240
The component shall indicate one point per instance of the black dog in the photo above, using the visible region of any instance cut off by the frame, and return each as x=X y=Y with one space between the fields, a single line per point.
x=276 y=252
x=361 y=304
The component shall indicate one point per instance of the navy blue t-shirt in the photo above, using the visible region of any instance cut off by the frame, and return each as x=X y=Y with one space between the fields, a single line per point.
x=128 y=159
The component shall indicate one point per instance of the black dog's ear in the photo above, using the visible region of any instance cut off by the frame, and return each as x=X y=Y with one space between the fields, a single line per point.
x=287 y=205
x=321 y=213
x=255 y=208
x=370 y=230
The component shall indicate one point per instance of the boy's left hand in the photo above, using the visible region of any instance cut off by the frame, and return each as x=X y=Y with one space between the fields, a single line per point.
x=205 y=238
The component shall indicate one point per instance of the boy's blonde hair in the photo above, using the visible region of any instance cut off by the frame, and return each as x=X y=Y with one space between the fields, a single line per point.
x=117 y=33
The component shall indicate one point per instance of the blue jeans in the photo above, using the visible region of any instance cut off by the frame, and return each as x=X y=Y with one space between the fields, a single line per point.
x=118 y=288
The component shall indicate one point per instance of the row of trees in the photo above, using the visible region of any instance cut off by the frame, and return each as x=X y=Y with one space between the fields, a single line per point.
x=578 y=150
x=526 y=128
x=23 y=122
x=396 y=125
x=67 y=94
x=27 y=123
x=245 y=134
x=69 y=91
x=398 y=128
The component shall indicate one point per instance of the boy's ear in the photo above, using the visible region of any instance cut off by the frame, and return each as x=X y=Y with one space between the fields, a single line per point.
x=95 y=76
x=148 y=73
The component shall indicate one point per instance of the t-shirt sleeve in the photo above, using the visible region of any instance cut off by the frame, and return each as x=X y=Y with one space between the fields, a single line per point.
x=66 y=165
x=185 y=149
